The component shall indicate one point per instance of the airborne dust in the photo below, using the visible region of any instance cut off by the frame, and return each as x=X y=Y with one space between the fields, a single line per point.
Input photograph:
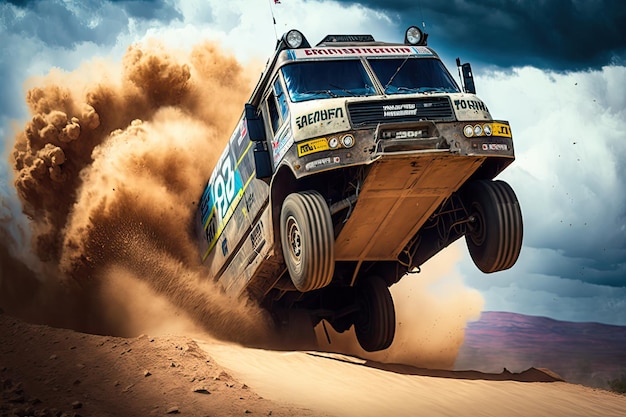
x=109 y=172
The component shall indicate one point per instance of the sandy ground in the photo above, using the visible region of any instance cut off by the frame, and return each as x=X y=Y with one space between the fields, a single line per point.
x=46 y=371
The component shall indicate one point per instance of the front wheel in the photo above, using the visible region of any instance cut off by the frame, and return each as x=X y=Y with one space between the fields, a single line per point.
x=375 y=324
x=307 y=238
x=494 y=235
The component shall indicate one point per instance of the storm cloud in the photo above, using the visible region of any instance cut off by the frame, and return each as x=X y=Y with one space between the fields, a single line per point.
x=557 y=34
x=58 y=23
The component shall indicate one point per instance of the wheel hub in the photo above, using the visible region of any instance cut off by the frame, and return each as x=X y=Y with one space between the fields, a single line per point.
x=476 y=226
x=295 y=239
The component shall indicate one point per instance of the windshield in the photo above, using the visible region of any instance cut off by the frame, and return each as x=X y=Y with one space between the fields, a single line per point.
x=413 y=75
x=327 y=79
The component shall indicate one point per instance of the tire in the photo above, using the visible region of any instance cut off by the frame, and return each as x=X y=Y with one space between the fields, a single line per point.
x=494 y=236
x=308 y=242
x=375 y=324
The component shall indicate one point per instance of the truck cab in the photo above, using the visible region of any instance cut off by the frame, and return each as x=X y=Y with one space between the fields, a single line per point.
x=353 y=163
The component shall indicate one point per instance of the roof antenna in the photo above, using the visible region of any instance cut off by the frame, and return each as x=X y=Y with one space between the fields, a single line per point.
x=273 y=18
x=422 y=16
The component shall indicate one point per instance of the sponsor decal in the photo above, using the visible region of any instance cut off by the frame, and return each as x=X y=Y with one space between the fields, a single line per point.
x=322 y=162
x=281 y=144
x=501 y=129
x=395 y=110
x=309 y=52
x=224 y=191
x=226 y=187
x=318 y=116
x=357 y=51
x=243 y=135
x=313 y=146
x=470 y=105
x=422 y=50
x=495 y=147
x=404 y=134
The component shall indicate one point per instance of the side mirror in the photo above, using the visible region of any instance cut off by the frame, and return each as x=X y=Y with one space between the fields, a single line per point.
x=467 y=76
x=262 y=161
x=256 y=131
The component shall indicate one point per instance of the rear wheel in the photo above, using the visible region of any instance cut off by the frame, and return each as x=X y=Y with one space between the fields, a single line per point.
x=494 y=235
x=375 y=323
x=306 y=234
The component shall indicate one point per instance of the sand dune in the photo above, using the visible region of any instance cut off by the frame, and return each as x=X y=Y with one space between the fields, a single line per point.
x=346 y=386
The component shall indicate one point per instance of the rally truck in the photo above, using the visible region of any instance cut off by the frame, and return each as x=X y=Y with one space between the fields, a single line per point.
x=353 y=163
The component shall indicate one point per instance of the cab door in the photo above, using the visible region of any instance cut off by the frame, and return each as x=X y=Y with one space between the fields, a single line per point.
x=276 y=112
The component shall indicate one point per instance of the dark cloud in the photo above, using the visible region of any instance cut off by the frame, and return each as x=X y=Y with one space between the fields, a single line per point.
x=20 y=3
x=162 y=10
x=556 y=34
x=66 y=24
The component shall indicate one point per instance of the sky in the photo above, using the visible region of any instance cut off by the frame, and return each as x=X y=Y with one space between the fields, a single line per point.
x=555 y=70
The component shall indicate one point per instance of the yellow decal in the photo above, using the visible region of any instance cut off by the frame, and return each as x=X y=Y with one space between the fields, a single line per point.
x=500 y=129
x=312 y=146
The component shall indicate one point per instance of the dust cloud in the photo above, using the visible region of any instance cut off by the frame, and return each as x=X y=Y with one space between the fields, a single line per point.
x=109 y=171
x=433 y=308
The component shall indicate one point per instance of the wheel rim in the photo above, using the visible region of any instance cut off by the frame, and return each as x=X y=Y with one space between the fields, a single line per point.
x=295 y=240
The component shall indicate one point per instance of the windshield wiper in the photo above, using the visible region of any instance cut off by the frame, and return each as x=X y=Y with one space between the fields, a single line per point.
x=328 y=92
x=352 y=93
x=395 y=73
x=422 y=89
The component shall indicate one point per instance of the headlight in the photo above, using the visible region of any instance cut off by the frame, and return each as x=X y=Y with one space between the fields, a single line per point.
x=413 y=36
x=294 y=39
x=347 y=141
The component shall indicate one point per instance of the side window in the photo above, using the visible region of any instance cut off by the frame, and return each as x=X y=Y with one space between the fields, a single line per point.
x=274 y=117
x=281 y=98
x=277 y=106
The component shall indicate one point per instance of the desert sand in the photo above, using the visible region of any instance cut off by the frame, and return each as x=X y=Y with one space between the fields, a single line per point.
x=46 y=371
